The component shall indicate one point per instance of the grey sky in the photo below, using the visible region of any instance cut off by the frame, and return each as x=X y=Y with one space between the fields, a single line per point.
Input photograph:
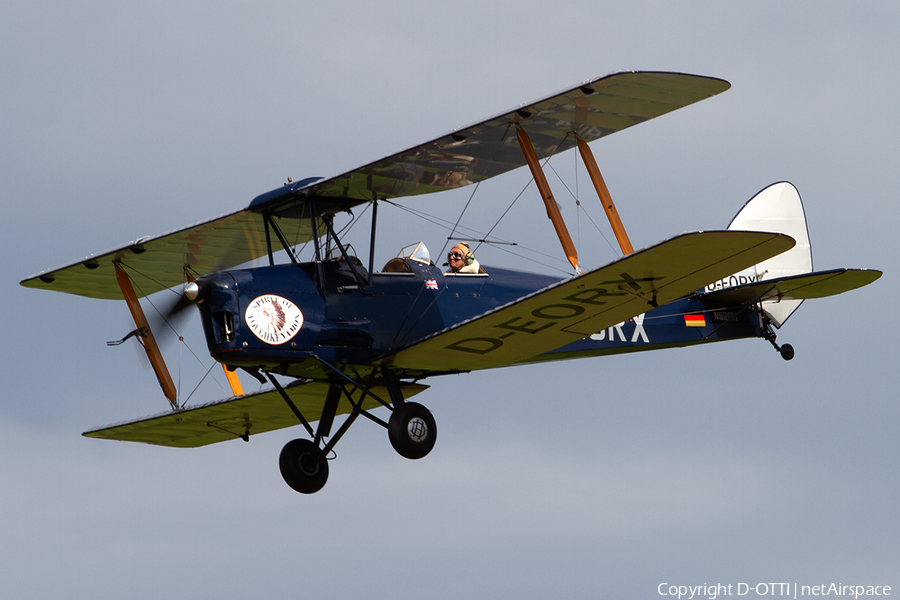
x=605 y=477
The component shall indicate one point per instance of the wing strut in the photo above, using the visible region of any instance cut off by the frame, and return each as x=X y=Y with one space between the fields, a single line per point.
x=146 y=338
x=605 y=198
x=552 y=208
x=236 y=388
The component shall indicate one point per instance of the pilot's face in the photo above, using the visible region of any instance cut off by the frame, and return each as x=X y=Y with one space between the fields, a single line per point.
x=456 y=259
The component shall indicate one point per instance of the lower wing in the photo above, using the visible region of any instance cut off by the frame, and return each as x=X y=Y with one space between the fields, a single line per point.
x=236 y=417
x=578 y=307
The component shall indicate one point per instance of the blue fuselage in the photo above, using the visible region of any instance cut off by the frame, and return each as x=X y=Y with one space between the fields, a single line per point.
x=352 y=325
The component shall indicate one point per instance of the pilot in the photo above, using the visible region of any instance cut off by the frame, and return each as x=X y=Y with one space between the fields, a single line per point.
x=461 y=259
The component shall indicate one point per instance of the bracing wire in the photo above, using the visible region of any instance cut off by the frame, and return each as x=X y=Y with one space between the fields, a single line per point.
x=182 y=342
x=581 y=207
x=438 y=221
x=441 y=222
x=472 y=195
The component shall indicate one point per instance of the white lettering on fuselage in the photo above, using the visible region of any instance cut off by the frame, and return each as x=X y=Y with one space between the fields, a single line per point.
x=610 y=334
x=732 y=281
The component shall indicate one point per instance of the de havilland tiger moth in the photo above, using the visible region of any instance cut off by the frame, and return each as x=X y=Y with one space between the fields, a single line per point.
x=352 y=337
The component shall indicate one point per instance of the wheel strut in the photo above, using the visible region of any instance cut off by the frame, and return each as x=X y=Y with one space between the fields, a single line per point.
x=786 y=350
x=304 y=464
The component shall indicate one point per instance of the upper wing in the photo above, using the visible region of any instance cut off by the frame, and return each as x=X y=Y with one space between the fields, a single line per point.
x=797 y=287
x=161 y=262
x=585 y=304
x=593 y=109
x=231 y=418
x=467 y=155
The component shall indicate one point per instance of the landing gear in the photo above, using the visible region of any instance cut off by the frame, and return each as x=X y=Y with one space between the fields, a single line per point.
x=412 y=430
x=786 y=350
x=303 y=466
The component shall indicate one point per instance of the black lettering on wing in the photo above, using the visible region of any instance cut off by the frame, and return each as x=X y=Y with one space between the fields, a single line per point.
x=476 y=345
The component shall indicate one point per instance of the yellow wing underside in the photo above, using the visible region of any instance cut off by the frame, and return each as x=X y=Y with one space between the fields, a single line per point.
x=468 y=155
x=231 y=418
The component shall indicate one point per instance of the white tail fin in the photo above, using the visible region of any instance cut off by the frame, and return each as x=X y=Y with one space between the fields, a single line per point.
x=777 y=208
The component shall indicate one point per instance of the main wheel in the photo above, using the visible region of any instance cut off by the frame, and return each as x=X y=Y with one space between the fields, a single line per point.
x=412 y=430
x=302 y=467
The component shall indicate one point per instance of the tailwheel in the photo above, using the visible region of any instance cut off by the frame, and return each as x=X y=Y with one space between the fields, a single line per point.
x=303 y=466
x=787 y=351
x=412 y=430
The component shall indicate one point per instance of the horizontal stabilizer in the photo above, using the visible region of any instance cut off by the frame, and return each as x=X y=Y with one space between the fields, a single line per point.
x=820 y=284
x=232 y=418
x=578 y=307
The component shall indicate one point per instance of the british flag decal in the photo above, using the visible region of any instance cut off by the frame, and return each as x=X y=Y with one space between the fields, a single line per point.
x=431 y=284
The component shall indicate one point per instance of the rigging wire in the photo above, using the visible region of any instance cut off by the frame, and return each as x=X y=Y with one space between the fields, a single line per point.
x=546 y=162
x=180 y=357
x=491 y=160
x=508 y=208
x=543 y=264
x=435 y=220
x=581 y=206
x=438 y=221
x=183 y=343
x=516 y=199
x=456 y=225
x=354 y=218
x=202 y=379
x=441 y=222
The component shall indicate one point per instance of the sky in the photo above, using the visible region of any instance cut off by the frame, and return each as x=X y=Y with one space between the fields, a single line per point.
x=604 y=477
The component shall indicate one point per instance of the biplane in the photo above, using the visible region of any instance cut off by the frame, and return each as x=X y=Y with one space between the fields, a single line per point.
x=349 y=338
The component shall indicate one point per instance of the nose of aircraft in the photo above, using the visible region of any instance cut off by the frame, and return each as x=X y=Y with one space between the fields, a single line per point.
x=197 y=291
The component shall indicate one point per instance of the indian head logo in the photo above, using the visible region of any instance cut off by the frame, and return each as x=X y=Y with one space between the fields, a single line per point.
x=273 y=319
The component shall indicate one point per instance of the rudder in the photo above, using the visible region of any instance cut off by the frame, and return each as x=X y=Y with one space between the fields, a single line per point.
x=777 y=208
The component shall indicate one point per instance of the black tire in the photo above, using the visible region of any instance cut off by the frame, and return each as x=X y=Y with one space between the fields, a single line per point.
x=787 y=352
x=302 y=467
x=412 y=430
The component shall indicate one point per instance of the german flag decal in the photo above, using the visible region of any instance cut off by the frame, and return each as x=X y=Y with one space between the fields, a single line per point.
x=695 y=320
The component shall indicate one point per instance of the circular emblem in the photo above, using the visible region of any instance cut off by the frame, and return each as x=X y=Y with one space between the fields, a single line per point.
x=273 y=319
x=417 y=429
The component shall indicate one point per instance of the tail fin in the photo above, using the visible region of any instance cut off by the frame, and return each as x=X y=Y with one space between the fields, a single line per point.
x=777 y=208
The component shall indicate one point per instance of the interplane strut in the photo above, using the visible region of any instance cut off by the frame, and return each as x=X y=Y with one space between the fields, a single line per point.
x=146 y=337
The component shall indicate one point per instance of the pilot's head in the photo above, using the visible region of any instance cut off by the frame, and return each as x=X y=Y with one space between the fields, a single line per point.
x=460 y=255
